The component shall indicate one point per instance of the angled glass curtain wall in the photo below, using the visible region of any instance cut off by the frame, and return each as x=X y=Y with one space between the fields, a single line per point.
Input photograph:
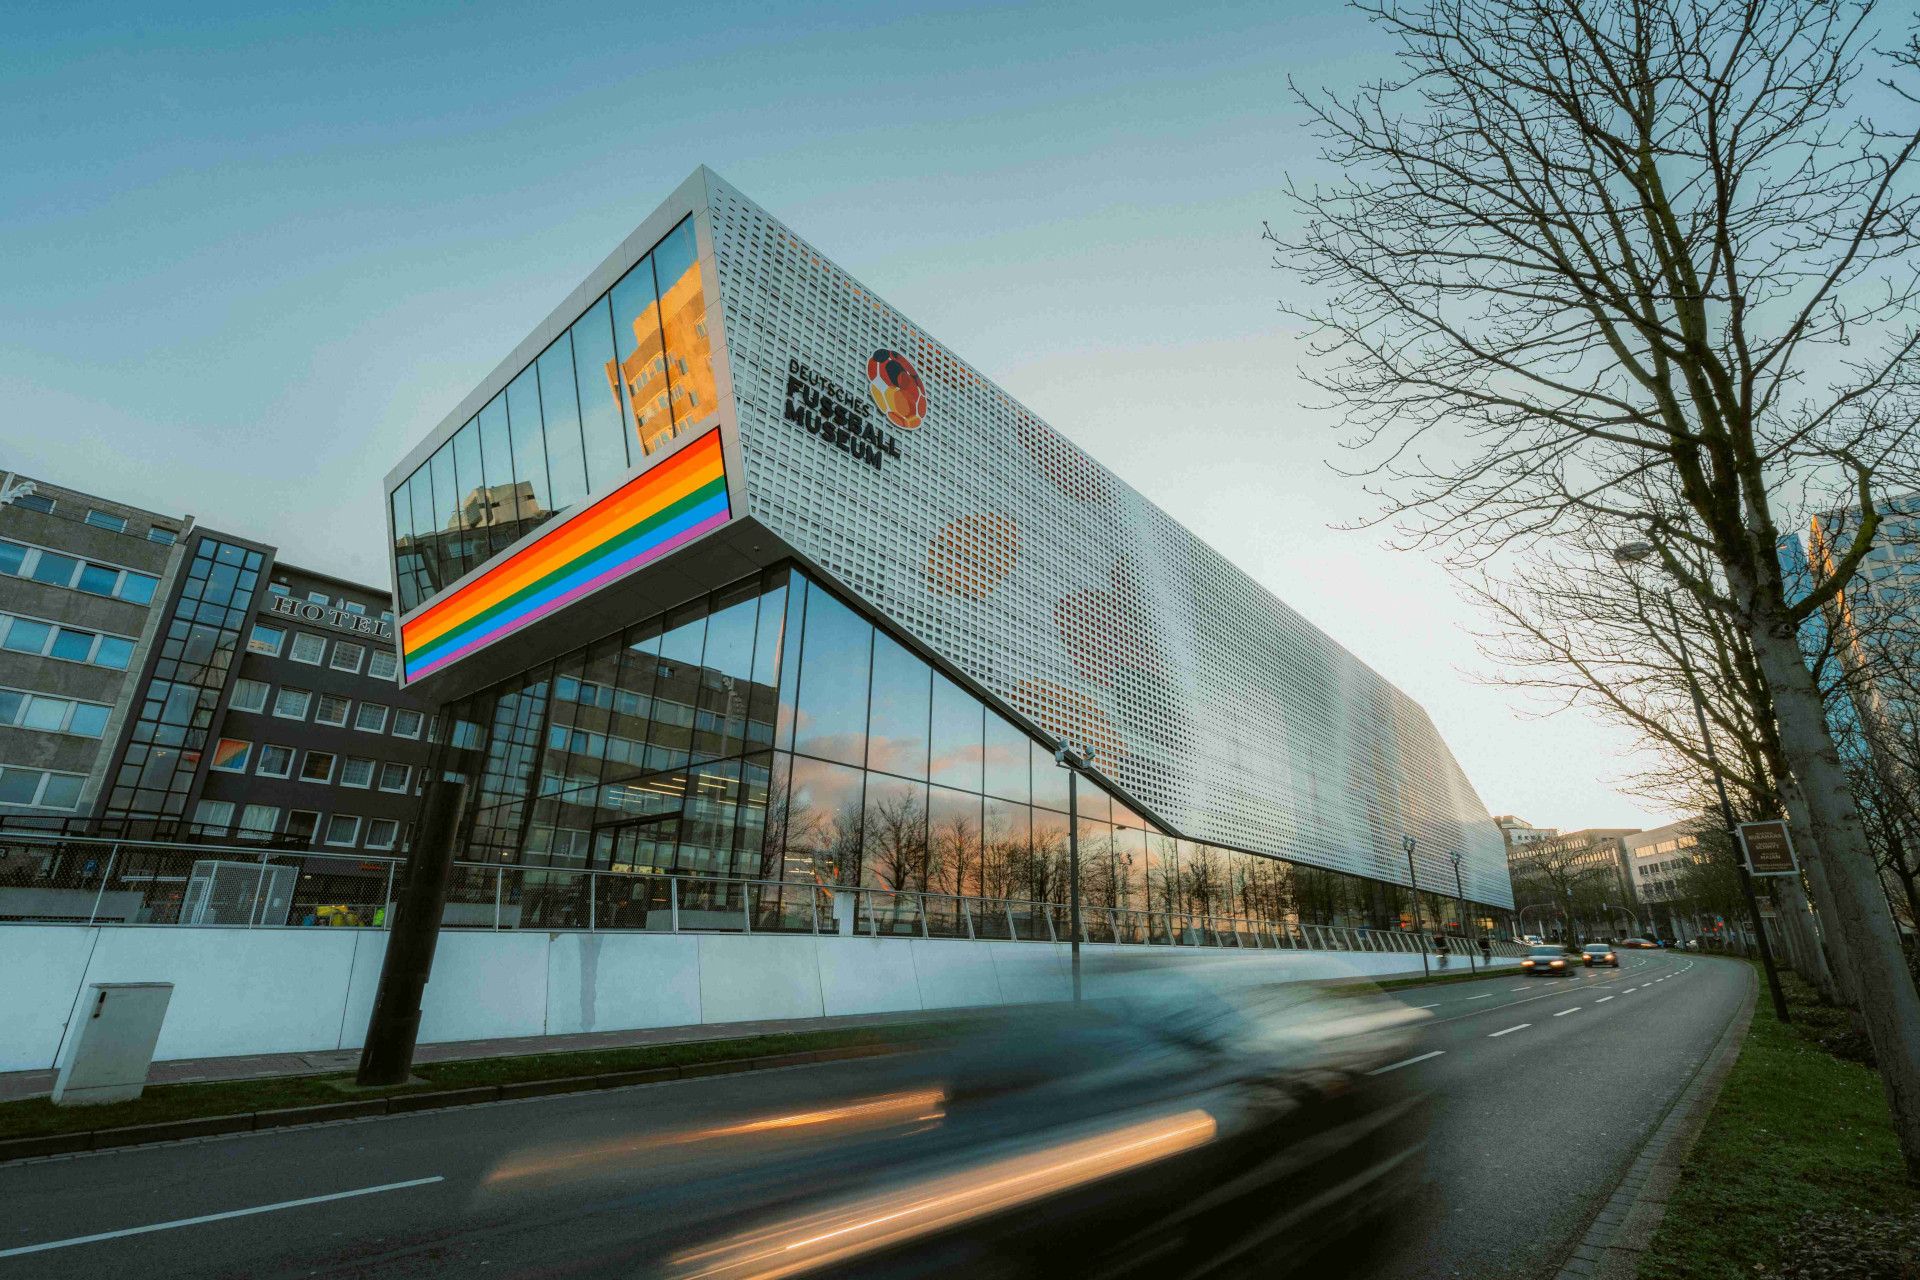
x=633 y=371
x=769 y=731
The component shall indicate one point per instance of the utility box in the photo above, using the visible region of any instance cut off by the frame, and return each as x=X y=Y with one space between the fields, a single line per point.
x=110 y=1046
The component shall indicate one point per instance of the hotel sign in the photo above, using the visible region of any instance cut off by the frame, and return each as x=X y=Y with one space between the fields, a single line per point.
x=327 y=616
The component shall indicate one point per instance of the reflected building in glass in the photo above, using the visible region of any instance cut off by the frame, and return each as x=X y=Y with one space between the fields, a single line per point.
x=731 y=572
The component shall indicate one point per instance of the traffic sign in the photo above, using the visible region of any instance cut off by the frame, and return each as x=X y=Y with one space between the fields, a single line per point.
x=1769 y=848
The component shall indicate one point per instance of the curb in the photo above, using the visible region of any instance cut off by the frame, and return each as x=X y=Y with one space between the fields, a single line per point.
x=1618 y=1236
x=60 y=1144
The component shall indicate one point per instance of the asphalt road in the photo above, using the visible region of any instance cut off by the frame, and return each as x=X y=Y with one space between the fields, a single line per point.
x=1541 y=1082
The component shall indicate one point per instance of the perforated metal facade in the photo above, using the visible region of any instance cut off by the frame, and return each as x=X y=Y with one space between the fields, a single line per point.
x=1003 y=548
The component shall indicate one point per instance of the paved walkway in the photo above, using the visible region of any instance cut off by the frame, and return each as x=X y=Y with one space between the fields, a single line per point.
x=15 y=1085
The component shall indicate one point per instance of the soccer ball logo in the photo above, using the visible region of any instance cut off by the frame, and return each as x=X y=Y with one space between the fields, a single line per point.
x=896 y=388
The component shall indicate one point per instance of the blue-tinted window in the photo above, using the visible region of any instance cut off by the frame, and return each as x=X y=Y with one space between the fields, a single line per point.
x=683 y=326
x=529 y=449
x=446 y=513
x=89 y=720
x=1006 y=760
x=603 y=422
x=137 y=587
x=55 y=568
x=26 y=636
x=504 y=497
x=114 y=652
x=425 y=536
x=470 y=486
x=836 y=650
x=726 y=672
x=404 y=556
x=75 y=646
x=897 y=728
x=560 y=412
x=1049 y=779
x=956 y=746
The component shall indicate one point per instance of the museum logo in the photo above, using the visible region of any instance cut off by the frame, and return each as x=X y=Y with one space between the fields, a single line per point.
x=840 y=418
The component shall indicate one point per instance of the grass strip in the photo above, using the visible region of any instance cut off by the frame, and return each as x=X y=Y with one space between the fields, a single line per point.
x=35 y=1117
x=1797 y=1137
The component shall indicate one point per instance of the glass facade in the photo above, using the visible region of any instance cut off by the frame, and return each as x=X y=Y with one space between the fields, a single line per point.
x=634 y=371
x=770 y=731
x=200 y=644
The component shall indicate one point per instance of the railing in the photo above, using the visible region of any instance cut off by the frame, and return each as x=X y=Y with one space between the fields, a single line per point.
x=68 y=880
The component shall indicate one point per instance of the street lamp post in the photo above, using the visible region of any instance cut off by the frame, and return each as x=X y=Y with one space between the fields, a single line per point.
x=1460 y=896
x=1413 y=888
x=1632 y=553
x=1073 y=762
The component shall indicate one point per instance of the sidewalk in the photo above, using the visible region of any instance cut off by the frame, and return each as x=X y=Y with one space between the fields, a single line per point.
x=16 y=1085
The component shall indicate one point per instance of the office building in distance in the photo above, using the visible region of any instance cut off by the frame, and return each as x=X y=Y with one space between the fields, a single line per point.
x=729 y=570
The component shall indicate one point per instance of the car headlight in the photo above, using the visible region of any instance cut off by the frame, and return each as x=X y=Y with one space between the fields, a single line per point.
x=1558 y=963
x=1526 y=964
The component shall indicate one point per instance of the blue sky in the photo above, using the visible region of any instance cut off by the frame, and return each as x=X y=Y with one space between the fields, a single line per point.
x=252 y=256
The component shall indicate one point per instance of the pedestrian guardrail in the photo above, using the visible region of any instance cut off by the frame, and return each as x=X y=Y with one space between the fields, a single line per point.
x=60 y=879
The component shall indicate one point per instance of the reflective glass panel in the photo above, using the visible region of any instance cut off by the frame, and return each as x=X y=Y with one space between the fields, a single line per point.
x=894 y=837
x=726 y=672
x=471 y=491
x=446 y=513
x=1046 y=879
x=642 y=368
x=535 y=494
x=1049 y=779
x=426 y=541
x=822 y=826
x=676 y=688
x=770 y=640
x=1006 y=846
x=560 y=413
x=956 y=747
x=683 y=319
x=706 y=832
x=897 y=725
x=835 y=654
x=1006 y=760
x=504 y=496
x=953 y=841
x=603 y=422
x=403 y=559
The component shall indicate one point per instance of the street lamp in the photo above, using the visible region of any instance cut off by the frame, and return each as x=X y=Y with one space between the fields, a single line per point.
x=1460 y=896
x=1413 y=887
x=1073 y=762
x=1635 y=553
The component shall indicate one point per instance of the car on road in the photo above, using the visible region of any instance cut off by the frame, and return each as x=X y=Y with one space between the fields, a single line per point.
x=1639 y=944
x=1550 y=961
x=1532 y=940
x=1599 y=953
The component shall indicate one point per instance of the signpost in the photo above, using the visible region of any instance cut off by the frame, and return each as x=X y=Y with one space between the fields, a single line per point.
x=1769 y=848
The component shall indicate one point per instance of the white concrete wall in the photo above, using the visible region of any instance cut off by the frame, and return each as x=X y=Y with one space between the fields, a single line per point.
x=240 y=991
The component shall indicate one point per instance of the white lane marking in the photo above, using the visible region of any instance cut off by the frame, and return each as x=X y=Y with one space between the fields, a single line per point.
x=1564 y=1012
x=1405 y=1062
x=217 y=1217
x=1516 y=988
x=1509 y=1031
x=1488 y=996
x=1603 y=999
x=1426 y=1006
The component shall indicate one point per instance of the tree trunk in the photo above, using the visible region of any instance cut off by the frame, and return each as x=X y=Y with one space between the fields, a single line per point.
x=1889 y=1001
x=1793 y=802
x=1811 y=958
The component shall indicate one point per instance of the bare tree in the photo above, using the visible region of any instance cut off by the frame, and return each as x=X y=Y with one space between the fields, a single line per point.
x=1582 y=245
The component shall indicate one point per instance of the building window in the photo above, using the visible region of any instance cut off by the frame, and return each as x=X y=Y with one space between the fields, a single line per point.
x=232 y=755
x=30 y=635
x=355 y=608
x=278 y=589
x=308 y=648
x=332 y=710
x=33 y=502
x=319 y=597
x=393 y=777
x=40 y=788
x=53 y=569
x=406 y=724
x=356 y=772
x=371 y=718
x=257 y=821
x=213 y=817
x=291 y=703
x=343 y=829
x=249 y=695
x=165 y=537
x=107 y=520
x=267 y=640
x=301 y=825
x=317 y=767
x=384 y=665
x=347 y=657
x=275 y=762
x=52 y=715
x=381 y=833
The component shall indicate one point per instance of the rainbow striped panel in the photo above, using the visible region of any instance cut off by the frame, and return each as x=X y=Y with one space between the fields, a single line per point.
x=661 y=509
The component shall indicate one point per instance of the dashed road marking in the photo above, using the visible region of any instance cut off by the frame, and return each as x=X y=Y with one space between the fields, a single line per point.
x=1488 y=996
x=1603 y=999
x=1509 y=1031
x=1564 y=1012
x=1405 y=1062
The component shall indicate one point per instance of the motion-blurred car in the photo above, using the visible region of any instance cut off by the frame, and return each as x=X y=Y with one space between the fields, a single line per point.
x=1550 y=961
x=1227 y=1124
x=1639 y=944
x=1598 y=953
x=1532 y=940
